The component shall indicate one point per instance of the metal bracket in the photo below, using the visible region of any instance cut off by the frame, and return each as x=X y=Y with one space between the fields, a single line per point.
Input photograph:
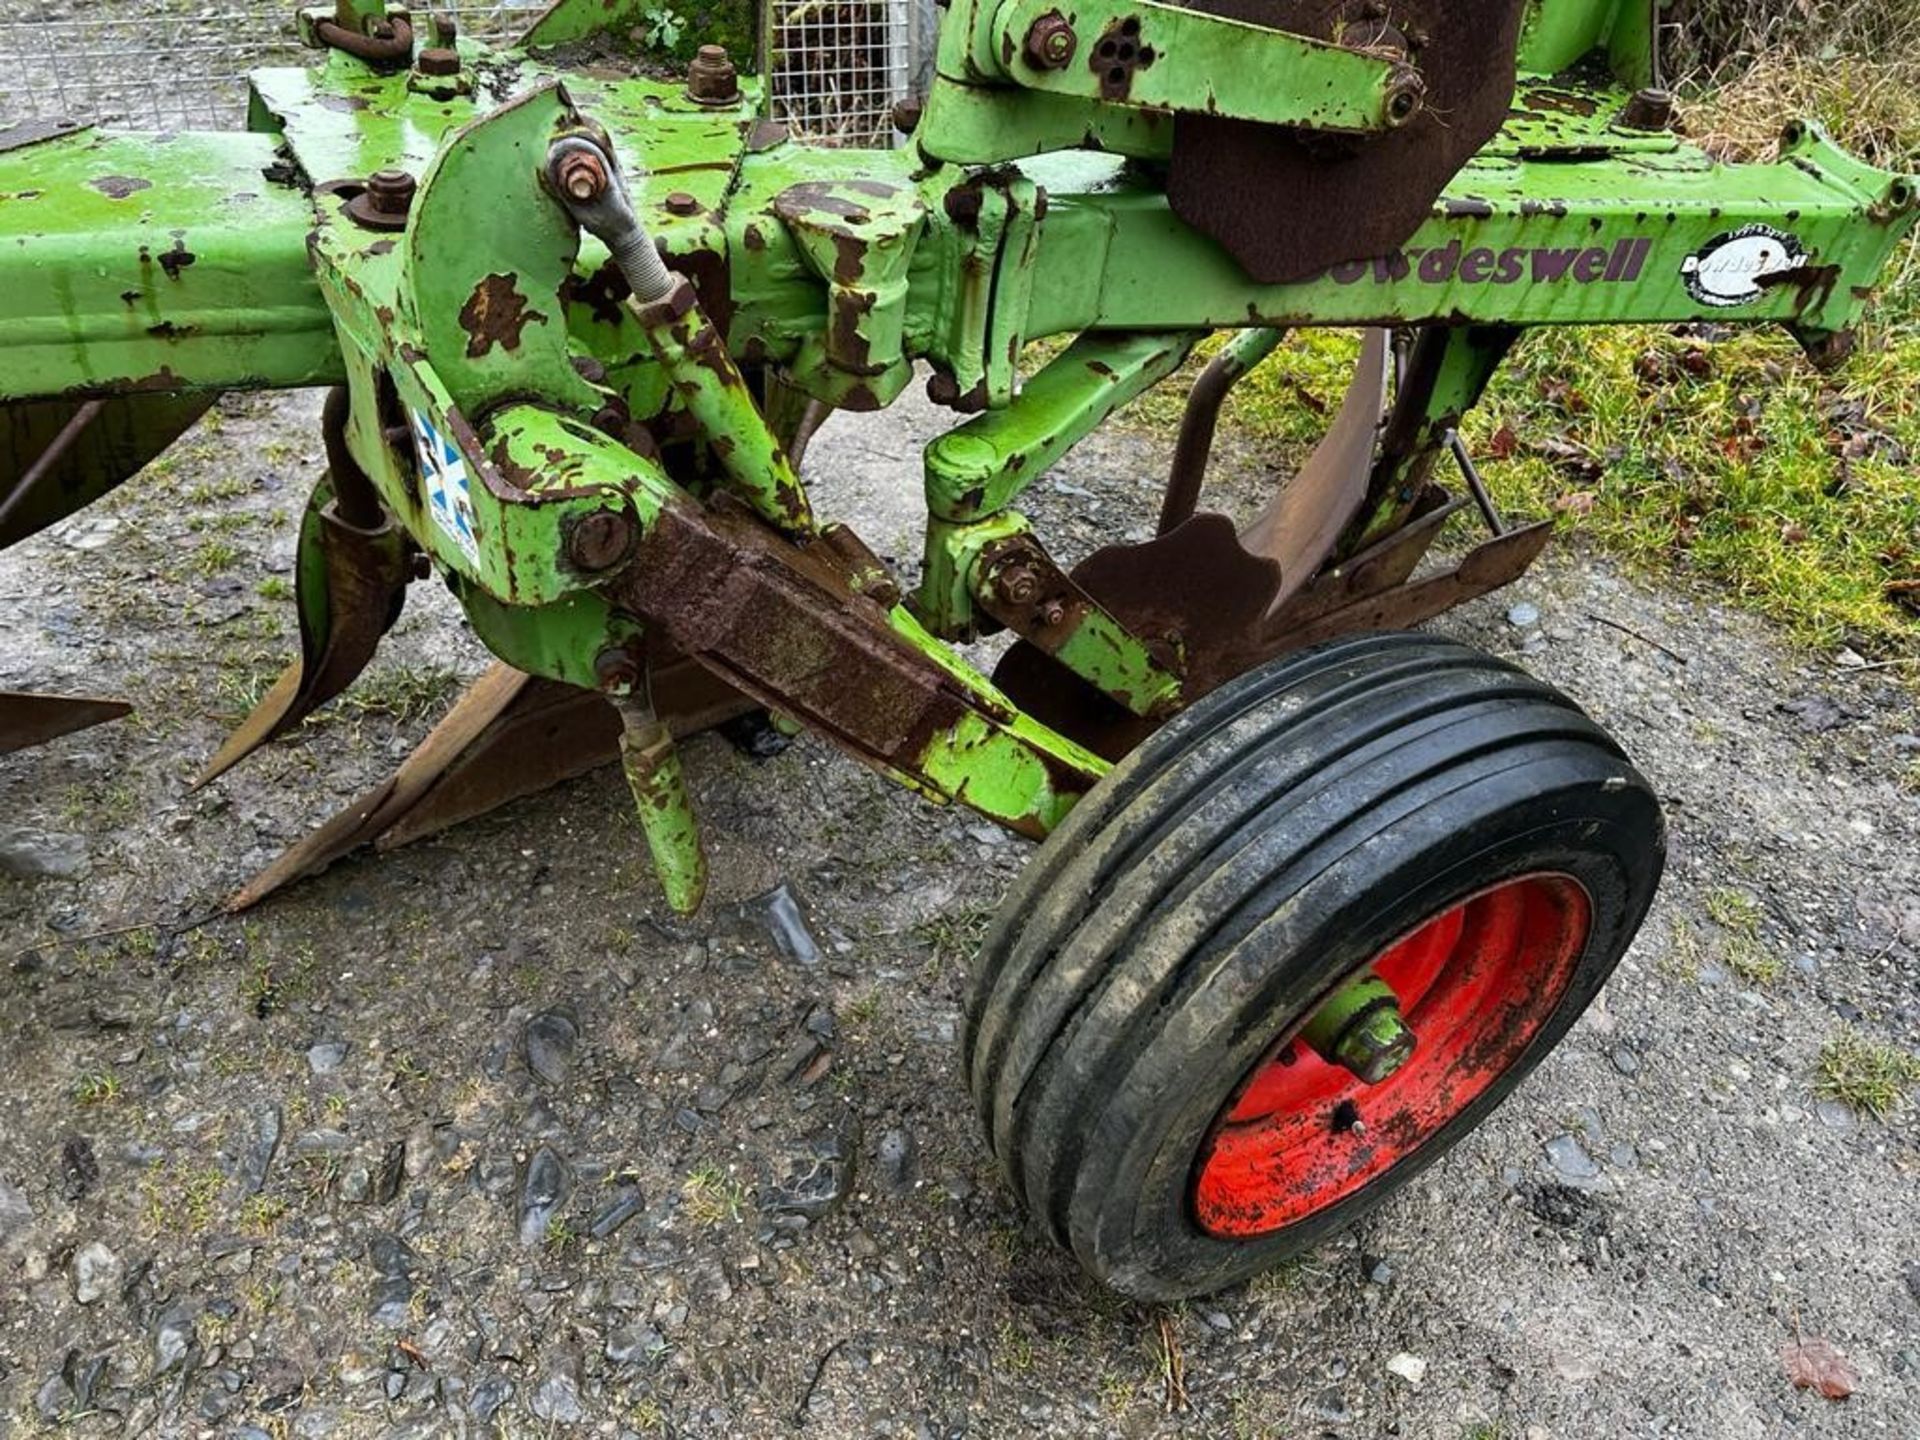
x=1146 y=55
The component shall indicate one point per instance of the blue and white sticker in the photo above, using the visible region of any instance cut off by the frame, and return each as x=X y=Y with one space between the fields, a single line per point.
x=449 y=493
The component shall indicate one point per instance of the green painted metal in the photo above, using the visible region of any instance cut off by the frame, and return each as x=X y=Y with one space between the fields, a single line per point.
x=944 y=602
x=1468 y=358
x=534 y=432
x=1143 y=54
x=660 y=796
x=132 y=267
x=708 y=383
x=979 y=469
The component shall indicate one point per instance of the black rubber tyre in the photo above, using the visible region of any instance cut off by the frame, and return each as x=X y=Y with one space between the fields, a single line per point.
x=1260 y=849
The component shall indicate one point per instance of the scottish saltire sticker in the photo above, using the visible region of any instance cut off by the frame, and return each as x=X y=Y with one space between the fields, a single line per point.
x=449 y=493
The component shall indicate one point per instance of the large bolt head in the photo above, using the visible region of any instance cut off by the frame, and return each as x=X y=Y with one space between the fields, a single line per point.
x=1051 y=42
x=438 y=61
x=712 y=78
x=1649 y=109
x=599 y=542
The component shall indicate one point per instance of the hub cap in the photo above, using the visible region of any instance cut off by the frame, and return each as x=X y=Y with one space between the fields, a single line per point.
x=1474 y=985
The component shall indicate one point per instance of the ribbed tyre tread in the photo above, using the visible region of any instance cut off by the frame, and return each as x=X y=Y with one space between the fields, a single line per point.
x=1317 y=792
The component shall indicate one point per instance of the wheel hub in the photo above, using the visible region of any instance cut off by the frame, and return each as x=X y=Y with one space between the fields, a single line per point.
x=1392 y=1056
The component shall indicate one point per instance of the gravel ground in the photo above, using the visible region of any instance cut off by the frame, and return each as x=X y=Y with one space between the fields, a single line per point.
x=477 y=1135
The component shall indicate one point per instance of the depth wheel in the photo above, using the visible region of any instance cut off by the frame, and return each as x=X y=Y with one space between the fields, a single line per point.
x=1294 y=947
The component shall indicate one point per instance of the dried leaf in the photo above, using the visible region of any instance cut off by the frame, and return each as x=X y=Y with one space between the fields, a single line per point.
x=1504 y=444
x=1813 y=1364
x=1579 y=503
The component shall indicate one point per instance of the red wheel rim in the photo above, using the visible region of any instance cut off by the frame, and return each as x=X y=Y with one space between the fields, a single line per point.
x=1476 y=984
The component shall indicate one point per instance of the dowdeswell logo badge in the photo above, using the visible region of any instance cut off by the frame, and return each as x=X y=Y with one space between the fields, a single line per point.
x=1739 y=267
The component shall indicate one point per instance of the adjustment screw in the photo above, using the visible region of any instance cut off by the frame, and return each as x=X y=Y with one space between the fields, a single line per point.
x=1051 y=42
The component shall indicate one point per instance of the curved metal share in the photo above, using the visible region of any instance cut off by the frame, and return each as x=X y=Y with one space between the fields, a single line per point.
x=351 y=579
x=1302 y=524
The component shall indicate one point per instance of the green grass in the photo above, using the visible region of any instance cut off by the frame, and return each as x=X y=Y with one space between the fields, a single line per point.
x=711 y=1197
x=1869 y=1075
x=100 y=1087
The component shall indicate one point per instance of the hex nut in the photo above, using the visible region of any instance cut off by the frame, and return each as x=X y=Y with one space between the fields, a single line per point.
x=711 y=77
x=1649 y=109
x=1051 y=42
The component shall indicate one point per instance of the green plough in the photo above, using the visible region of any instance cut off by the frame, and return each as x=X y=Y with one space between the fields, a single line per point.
x=1314 y=894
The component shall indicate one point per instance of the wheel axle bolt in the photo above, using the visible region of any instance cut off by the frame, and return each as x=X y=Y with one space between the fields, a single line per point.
x=1376 y=1046
x=1051 y=42
x=1360 y=1027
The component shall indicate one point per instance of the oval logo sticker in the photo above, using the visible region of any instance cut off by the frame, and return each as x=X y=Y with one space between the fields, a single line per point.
x=1735 y=268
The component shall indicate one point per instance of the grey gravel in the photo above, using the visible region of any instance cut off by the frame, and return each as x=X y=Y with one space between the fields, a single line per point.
x=551 y=1039
x=96 y=1272
x=1570 y=1158
x=38 y=855
x=545 y=1188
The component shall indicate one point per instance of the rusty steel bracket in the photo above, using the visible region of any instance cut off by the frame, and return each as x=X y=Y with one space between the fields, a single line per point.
x=1019 y=584
x=1490 y=566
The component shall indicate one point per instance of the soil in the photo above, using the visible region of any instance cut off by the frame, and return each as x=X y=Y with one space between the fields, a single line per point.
x=476 y=1134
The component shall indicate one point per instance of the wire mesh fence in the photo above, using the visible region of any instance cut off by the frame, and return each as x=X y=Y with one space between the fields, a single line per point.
x=837 y=66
